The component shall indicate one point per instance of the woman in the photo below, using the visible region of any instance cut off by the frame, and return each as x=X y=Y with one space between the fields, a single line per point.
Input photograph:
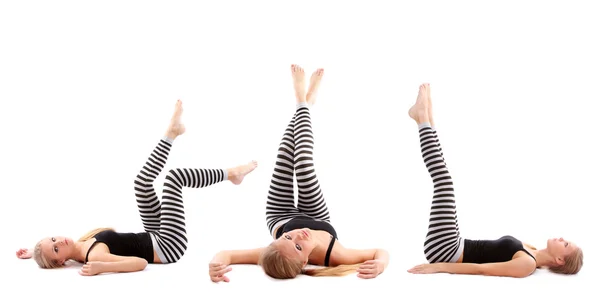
x=303 y=234
x=165 y=239
x=447 y=252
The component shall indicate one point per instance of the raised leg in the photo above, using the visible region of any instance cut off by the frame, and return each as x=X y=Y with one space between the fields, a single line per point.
x=149 y=205
x=443 y=242
x=280 y=206
x=165 y=220
x=295 y=158
x=310 y=197
x=147 y=201
x=172 y=236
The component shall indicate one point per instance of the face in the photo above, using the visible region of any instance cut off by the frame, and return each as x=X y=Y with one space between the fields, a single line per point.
x=57 y=248
x=560 y=248
x=297 y=243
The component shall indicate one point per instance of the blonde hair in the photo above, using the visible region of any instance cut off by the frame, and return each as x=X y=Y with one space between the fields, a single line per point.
x=572 y=265
x=279 y=266
x=45 y=263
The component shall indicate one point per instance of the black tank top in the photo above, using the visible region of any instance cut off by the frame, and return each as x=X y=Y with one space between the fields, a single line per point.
x=486 y=251
x=307 y=222
x=126 y=244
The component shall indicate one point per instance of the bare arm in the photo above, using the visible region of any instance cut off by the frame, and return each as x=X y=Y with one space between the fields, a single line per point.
x=248 y=256
x=356 y=256
x=518 y=268
x=218 y=266
x=109 y=263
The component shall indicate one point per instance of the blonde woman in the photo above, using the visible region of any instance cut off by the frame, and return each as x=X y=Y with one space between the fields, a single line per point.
x=447 y=252
x=303 y=234
x=164 y=239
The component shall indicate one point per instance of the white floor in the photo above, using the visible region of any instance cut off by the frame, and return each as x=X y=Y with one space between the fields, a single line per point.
x=188 y=280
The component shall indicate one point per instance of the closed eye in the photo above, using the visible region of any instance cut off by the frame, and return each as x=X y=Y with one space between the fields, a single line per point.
x=566 y=244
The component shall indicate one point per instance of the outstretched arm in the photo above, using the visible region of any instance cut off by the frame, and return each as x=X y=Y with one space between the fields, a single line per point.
x=373 y=261
x=109 y=263
x=518 y=268
x=219 y=265
x=248 y=256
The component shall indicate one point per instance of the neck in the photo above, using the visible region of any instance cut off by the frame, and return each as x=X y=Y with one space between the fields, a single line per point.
x=322 y=240
x=77 y=253
x=543 y=258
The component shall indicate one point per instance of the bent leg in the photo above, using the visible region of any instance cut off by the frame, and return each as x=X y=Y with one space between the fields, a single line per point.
x=149 y=205
x=172 y=236
x=147 y=201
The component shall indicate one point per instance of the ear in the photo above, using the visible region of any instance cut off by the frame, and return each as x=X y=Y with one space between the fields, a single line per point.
x=305 y=262
x=559 y=261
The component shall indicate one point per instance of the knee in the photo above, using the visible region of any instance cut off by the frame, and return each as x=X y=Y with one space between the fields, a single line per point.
x=173 y=176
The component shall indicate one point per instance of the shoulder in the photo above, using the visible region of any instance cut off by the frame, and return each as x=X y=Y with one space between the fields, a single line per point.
x=95 y=249
x=522 y=265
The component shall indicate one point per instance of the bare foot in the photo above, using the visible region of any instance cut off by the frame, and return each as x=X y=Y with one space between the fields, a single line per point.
x=176 y=128
x=429 y=106
x=419 y=111
x=299 y=83
x=236 y=174
x=313 y=86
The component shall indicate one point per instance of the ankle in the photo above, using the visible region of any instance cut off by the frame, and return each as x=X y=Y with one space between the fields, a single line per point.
x=301 y=104
x=232 y=173
x=170 y=136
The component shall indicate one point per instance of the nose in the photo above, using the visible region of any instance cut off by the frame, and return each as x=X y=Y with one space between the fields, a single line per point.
x=561 y=239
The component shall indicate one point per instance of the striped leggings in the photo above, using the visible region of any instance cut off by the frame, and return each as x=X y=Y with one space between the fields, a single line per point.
x=165 y=221
x=443 y=242
x=295 y=156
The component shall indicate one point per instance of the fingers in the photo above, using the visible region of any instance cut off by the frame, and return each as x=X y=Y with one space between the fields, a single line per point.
x=367 y=276
x=367 y=273
x=367 y=266
x=367 y=270
x=219 y=278
x=420 y=269
x=217 y=272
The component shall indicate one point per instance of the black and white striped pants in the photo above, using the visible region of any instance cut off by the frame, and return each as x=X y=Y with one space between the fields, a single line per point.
x=443 y=242
x=165 y=220
x=295 y=156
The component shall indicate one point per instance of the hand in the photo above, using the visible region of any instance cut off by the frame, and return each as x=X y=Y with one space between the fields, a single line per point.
x=428 y=268
x=370 y=269
x=24 y=254
x=91 y=268
x=217 y=271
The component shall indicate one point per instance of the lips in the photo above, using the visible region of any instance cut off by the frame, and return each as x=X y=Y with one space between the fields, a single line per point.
x=305 y=233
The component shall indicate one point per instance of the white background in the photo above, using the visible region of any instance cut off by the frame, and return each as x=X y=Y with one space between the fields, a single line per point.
x=87 y=89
